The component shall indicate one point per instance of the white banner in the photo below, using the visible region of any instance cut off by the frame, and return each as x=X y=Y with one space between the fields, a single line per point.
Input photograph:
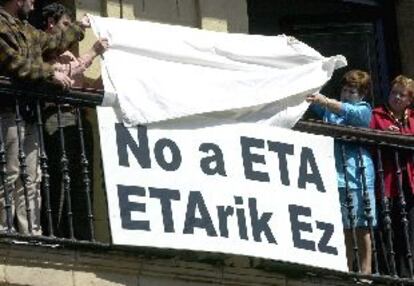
x=154 y=72
x=245 y=189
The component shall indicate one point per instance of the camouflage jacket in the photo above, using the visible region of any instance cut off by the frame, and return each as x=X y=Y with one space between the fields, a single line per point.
x=22 y=47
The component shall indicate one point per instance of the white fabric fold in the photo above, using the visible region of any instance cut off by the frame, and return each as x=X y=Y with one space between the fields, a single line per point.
x=155 y=72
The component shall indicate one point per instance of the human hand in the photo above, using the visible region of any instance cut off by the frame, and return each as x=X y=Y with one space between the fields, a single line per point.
x=62 y=68
x=85 y=22
x=100 y=46
x=61 y=79
x=316 y=99
x=393 y=128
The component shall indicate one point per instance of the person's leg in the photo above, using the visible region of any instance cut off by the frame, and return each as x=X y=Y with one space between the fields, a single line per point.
x=364 y=249
x=365 y=221
x=347 y=227
x=4 y=217
x=12 y=168
x=363 y=237
x=31 y=151
x=349 y=249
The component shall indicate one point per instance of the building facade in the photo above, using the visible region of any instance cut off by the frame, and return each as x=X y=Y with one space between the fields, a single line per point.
x=374 y=35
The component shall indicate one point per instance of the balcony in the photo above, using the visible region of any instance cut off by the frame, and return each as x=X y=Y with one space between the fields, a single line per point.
x=74 y=247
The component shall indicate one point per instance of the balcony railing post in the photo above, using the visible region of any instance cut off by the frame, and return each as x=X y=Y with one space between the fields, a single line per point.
x=403 y=213
x=65 y=174
x=386 y=214
x=44 y=168
x=23 y=166
x=367 y=208
x=350 y=207
x=85 y=174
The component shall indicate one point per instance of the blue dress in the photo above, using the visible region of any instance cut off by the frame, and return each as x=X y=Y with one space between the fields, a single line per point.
x=352 y=114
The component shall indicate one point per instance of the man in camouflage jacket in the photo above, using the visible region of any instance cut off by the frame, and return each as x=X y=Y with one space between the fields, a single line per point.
x=21 y=57
x=22 y=47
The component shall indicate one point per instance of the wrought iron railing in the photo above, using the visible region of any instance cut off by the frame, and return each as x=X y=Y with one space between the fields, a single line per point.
x=384 y=238
x=30 y=103
x=43 y=97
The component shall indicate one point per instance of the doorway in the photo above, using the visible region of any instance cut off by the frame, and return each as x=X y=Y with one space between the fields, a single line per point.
x=364 y=31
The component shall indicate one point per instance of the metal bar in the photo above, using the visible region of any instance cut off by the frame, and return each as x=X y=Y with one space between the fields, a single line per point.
x=386 y=214
x=403 y=213
x=49 y=92
x=356 y=134
x=3 y=176
x=44 y=168
x=350 y=207
x=65 y=174
x=367 y=208
x=54 y=240
x=23 y=167
x=85 y=174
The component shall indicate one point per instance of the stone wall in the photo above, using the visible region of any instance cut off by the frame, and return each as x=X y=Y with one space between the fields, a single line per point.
x=49 y=265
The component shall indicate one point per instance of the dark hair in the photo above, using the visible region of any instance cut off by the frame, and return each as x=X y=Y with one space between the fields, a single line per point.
x=55 y=11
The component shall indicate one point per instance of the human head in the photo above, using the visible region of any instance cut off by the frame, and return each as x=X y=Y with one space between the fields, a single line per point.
x=18 y=8
x=55 y=14
x=356 y=85
x=402 y=94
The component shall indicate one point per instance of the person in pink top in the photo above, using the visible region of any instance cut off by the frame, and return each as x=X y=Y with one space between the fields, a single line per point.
x=58 y=15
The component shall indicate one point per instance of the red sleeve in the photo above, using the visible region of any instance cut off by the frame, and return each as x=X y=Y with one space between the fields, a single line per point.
x=373 y=122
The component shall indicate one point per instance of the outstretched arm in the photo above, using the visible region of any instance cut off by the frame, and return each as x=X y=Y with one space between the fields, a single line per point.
x=84 y=61
x=332 y=105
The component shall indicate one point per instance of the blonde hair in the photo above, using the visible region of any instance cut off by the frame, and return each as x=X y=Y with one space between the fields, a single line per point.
x=406 y=83
x=358 y=79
